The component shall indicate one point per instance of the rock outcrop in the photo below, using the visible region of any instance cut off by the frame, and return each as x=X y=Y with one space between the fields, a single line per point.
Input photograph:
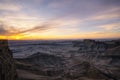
x=80 y=71
x=84 y=71
x=42 y=64
x=113 y=52
x=93 y=46
x=7 y=67
x=113 y=66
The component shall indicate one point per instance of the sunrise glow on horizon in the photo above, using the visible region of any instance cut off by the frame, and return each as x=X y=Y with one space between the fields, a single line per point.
x=59 y=19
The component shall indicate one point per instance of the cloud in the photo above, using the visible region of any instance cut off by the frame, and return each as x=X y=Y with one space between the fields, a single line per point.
x=20 y=20
x=37 y=29
x=107 y=16
x=50 y=24
x=9 y=7
x=111 y=27
x=40 y=28
x=7 y=30
x=3 y=31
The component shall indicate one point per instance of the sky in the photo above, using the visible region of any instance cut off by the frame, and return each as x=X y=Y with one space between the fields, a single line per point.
x=59 y=19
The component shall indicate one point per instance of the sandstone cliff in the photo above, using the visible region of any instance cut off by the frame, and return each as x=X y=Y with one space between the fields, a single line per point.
x=7 y=67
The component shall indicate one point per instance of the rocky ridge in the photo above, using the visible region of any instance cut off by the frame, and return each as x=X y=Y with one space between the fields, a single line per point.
x=7 y=67
x=84 y=66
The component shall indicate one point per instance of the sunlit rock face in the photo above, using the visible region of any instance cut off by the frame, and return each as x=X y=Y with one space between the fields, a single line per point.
x=7 y=67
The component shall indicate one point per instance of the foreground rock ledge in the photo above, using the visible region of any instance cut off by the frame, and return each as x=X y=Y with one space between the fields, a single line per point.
x=7 y=67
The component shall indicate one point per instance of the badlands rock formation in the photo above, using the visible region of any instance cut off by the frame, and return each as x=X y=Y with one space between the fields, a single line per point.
x=7 y=67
